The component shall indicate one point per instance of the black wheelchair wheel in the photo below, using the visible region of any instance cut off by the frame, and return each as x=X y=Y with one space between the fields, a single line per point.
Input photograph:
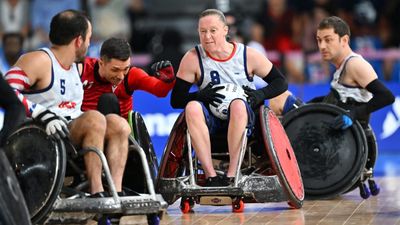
x=13 y=210
x=330 y=161
x=134 y=178
x=39 y=162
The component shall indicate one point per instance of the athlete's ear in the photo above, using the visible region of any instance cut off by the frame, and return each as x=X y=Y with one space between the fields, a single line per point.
x=78 y=41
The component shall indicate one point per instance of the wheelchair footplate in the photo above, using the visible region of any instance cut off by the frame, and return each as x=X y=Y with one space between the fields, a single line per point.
x=79 y=210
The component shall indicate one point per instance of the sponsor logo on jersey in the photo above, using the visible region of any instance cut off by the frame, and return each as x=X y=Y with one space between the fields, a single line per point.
x=67 y=105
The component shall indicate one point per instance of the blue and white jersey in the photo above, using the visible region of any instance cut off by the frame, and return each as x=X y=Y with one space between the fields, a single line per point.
x=64 y=95
x=231 y=70
x=346 y=92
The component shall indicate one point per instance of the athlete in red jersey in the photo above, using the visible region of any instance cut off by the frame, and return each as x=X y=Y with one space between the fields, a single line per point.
x=112 y=73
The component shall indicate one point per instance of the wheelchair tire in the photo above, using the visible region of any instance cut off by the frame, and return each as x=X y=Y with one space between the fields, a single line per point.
x=134 y=166
x=13 y=210
x=330 y=161
x=39 y=162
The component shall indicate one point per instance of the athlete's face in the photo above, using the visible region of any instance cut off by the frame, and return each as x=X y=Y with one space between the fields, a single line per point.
x=114 y=70
x=330 y=44
x=212 y=32
x=84 y=45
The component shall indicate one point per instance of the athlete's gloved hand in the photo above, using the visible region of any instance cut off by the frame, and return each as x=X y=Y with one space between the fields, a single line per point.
x=55 y=125
x=342 y=122
x=255 y=98
x=209 y=95
x=163 y=70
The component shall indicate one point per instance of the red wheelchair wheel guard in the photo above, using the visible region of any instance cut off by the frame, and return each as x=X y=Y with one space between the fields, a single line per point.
x=282 y=156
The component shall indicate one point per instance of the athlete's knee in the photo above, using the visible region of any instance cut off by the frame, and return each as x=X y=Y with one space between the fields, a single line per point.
x=108 y=103
x=117 y=125
x=92 y=120
x=237 y=109
x=193 y=109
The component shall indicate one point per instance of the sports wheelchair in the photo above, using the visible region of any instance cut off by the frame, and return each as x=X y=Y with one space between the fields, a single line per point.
x=267 y=168
x=331 y=162
x=55 y=187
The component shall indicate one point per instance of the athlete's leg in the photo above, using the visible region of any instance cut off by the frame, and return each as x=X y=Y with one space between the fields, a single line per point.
x=200 y=136
x=116 y=147
x=238 y=120
x=88 y=131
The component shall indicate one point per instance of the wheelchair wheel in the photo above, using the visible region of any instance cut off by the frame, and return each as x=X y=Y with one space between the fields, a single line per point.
x=134 y=164
x=13 y=210
x=282 y=157
x=330 y=161
x=39 y=163
x=174 y=154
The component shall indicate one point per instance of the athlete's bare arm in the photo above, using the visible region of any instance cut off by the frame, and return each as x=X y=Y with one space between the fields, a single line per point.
x=37 y=66
x=257 y=63
x=189 y=69
x=359 y=73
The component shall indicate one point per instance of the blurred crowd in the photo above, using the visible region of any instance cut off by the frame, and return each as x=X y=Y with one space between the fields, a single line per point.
x=284 y=30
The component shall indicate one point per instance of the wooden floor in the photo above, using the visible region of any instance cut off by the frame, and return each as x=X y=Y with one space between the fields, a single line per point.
x=350 y=208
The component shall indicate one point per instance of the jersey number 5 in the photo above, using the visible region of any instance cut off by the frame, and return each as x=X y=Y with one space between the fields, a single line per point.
x=62 y=85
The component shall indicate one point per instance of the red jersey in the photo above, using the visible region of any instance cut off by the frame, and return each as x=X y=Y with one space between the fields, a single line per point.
x=136 y=79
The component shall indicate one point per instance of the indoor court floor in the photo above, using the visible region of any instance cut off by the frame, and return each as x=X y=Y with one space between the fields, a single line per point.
x=347 y=209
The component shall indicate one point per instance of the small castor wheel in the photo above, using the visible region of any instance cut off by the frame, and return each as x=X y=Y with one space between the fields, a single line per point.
x=364 y=191
x=153 y=219
x=373 y=187
x=238 y=205
x=104 y=220
x=187 y=205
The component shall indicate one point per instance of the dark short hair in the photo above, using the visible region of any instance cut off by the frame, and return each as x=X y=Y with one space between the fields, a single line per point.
x=115 y=48
x=10 y=35
x=215 y=12
x=339 y=26
x=67 y=25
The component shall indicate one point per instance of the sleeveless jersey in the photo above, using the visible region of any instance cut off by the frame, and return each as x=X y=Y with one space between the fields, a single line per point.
x=64 y=94
x=232 y=70
x=346 y=92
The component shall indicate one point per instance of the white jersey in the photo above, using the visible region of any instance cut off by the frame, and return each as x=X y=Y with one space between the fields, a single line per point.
x=64 y=95
x=232 y=70
x=346 y=92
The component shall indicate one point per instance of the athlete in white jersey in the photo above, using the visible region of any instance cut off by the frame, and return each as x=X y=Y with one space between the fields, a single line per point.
x=217 y=61
x=48 y=84
x=355 y=85
x=349 y=93
x=64 y=94
x=231 y=70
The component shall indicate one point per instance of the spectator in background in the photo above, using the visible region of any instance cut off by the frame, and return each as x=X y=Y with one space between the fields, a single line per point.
x=140 y=36
x=109 y=18
x=41 y=13
x=170 y=48
x=283 y=30
x=12 y=49
x=14 y=16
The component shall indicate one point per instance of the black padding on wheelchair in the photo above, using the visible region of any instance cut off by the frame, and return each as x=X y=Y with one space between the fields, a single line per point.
x=330 y=161
x=13 y=210
x=134 y=178
x=39 y=162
